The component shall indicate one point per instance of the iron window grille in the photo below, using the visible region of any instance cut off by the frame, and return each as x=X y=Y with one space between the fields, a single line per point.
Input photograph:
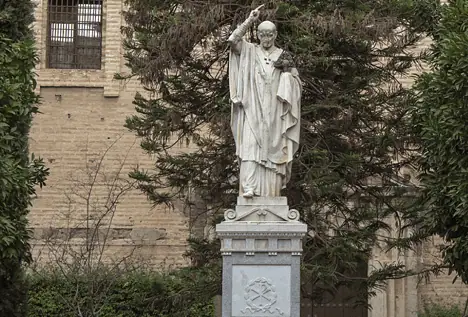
x=74 y=37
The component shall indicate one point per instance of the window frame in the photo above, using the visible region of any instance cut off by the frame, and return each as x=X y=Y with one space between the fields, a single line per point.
x=55 y=12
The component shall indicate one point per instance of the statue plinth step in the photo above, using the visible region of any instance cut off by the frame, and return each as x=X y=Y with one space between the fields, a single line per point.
x=262 y=201
x=261 y=209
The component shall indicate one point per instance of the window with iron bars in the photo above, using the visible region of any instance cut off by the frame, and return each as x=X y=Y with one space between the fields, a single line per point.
x=74 y=38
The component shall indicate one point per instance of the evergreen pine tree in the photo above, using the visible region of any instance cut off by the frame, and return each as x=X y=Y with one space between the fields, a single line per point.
x=354 y=135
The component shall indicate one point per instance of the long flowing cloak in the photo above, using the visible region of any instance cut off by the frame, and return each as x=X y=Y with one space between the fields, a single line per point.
x=267 y=106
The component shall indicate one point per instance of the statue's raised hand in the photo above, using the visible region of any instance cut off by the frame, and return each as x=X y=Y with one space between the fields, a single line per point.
x=254 y=14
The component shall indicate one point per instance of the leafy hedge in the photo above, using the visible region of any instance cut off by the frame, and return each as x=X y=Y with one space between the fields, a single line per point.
x=439 y=121
x=144 y=294
x=437 y=310
x=19 y=174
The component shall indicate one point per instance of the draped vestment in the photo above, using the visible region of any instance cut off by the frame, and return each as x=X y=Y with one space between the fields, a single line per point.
x=265 y=118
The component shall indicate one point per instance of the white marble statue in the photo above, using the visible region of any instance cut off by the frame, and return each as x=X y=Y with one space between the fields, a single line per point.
x=265 y=92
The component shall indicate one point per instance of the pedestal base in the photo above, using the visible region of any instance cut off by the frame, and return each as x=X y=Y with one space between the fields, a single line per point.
x=261 y=263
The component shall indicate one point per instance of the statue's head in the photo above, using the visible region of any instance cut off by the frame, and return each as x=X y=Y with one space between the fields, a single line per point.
x=266 y=33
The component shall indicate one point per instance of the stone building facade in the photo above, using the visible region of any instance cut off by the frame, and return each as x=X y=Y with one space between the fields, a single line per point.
x=82 y=121
x=80 y=135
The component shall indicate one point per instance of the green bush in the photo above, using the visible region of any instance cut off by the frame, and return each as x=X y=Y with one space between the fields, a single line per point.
x=439 y=123
x=120 y=294
x=19 y=174
x=437 y=310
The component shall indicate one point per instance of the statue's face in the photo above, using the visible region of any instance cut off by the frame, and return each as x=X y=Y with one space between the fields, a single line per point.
x=266 y=33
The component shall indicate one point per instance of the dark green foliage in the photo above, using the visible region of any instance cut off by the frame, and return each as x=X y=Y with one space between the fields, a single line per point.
x=190 y=292
x=125 y=295
x=439 y=118
x=437 y=310
x=129 y=296
x=18 y=173
x=350 y=55
x=16 y=17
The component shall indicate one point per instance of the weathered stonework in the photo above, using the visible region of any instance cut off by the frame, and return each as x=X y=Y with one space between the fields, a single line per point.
x=261 y=245
x=261 y=268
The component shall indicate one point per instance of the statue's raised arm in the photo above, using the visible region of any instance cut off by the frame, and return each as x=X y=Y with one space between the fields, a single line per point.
x=235 y=39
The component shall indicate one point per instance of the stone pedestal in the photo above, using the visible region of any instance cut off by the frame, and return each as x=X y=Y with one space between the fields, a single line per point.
x=261 y=244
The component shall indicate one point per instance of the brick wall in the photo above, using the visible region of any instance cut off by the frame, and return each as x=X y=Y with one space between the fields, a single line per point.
x=83 y=113
x=440 y=289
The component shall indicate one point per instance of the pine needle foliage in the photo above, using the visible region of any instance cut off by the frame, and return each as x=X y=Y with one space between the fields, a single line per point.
x=351 y=56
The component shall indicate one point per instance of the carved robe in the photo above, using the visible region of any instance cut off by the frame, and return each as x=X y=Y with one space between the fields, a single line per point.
x=265 y=118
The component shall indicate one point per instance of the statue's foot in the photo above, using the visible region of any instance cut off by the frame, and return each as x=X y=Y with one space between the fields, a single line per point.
x=248 y=194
